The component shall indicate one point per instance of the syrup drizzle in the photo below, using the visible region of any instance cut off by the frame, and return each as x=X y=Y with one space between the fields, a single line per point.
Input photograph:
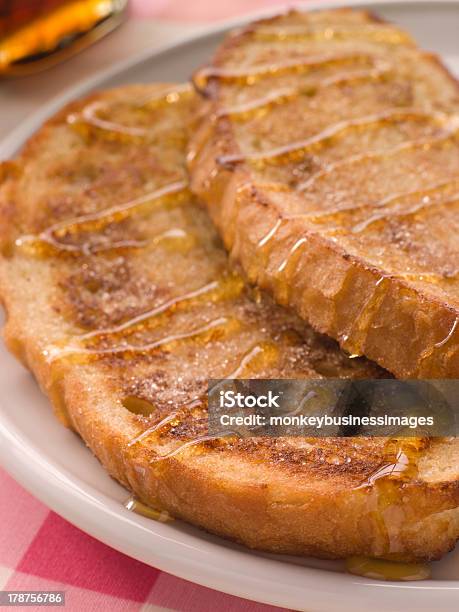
x=182 y=300
x=48 y=245
x=228 y=287
x=450 y=334
x=425 y=200
x=353 y=341
x=173 y=419
x=154 y=428
x=195 y=442
x=265 y=352
x=205 y=332
x=400 y=465
x=430 y=351
x=262 y=353
x=90 y=113
x=252 y=74
x=427 y=192
x=317 y=32
x=284 y=95
x=176 y=192
x=424 y=196
x=421 y=195
x=415 y=210
x=422 y=143
x=246 y=110
x=272 y=232
x=299 y=243
x=297 y=150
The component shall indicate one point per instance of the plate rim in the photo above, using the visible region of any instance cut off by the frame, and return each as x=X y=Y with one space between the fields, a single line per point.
x=64 y=492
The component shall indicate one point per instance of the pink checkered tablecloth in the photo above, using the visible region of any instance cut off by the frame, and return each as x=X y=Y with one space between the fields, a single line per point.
x=41 y=551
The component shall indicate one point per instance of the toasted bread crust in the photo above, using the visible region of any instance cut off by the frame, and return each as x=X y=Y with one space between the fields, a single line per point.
x=334 y=224
x=73 y=319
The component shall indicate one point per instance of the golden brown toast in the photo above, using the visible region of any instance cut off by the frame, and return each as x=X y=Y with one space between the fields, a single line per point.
x=121 y=301
x=328 y=157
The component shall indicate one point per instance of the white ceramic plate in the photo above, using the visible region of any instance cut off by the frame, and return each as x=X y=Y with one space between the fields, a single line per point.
x=54 y=464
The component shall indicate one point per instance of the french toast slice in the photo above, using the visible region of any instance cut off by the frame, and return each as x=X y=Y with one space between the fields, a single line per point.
x=120 y=300
x=328 y=157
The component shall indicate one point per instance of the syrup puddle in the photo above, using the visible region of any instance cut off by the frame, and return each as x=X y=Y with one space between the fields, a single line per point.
x=379 y=569
x=134 y=505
